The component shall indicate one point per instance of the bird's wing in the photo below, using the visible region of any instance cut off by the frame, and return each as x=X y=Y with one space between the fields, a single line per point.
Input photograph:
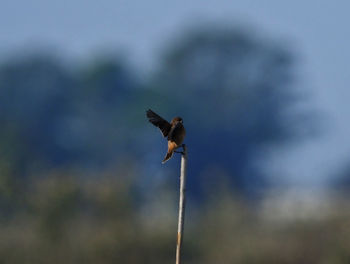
x=158 y=121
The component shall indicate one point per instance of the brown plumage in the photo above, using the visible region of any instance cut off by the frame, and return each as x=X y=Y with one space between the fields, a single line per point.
x=174 y=131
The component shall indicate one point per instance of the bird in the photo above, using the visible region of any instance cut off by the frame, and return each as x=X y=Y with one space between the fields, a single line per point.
x=174 y=131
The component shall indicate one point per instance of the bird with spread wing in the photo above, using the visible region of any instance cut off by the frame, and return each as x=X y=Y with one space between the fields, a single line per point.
x=173 y=131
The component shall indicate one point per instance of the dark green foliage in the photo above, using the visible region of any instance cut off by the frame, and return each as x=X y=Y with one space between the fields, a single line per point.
x=236 y=95
x=232 y=89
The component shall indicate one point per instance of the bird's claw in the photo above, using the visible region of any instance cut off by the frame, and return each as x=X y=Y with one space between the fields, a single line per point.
x=183 y=150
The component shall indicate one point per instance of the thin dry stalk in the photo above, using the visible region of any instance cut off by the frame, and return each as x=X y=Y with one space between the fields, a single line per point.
x=182 y=203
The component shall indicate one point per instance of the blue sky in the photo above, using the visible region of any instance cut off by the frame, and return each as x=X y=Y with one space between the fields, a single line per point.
x=317 y=31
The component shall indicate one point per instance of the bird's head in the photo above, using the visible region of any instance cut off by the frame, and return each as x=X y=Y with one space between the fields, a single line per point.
x=177 y=120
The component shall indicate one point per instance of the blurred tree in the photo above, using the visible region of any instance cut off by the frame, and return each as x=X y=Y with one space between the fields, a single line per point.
x=52 y=117
x=34 y=98
x=100 y=123
x=341 y=181
x=234 y=92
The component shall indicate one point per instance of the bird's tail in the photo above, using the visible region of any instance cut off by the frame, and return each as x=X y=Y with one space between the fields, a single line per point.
x=168 y=156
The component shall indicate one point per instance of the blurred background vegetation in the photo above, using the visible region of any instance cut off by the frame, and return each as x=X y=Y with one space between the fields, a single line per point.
x=80 y=173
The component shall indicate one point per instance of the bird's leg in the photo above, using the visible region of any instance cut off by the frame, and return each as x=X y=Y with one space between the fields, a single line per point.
x=183 y=150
